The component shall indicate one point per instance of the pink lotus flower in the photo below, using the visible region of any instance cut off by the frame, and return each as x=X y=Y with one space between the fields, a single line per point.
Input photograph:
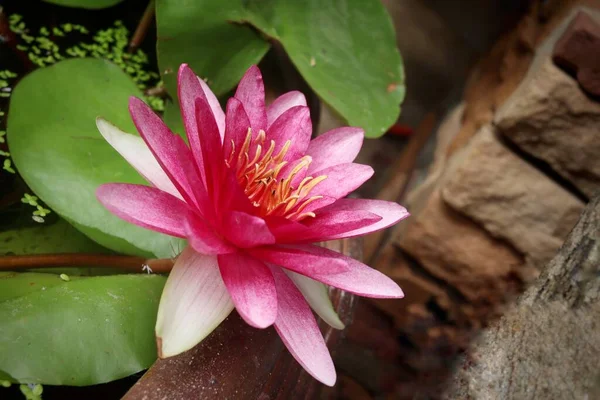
x=250 y=194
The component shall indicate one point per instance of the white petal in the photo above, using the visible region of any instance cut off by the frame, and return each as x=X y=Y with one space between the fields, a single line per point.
x=133 y=149
x=194 y=302
x=317 y=297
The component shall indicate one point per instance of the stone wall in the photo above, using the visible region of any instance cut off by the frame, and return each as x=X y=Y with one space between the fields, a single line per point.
x=515 y=165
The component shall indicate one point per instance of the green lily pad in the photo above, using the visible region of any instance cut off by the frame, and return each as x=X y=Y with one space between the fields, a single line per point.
x=63 y=158
x=58 y=237
x=15 y=284
x=90 y=4
x=345 y=49
x=201 y=34
x=172 y=117
x=81 y=332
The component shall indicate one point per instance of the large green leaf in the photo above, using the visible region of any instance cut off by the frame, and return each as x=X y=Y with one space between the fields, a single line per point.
x=63 y=158
x=91 y=4
x=82 y=332
x=172 y=117
x=58 y=237
x=201 y=34
x=345 y=49
x=15 y=284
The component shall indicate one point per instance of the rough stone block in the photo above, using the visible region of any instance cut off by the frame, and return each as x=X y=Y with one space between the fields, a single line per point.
x=456 y=250
x=550 y=118
x=512 y=199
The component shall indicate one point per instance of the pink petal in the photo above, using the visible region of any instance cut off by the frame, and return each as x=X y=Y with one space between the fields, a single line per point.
x=210 y=144
x=341 y=179
x=251 y=92
x=293 y=125
x=144 y=206
x=231 y=196
x=169 y=150
x=252 y=288
x=284 y=103
x=338 y=146
x=188 y=90
x=246 y=230
x=357 y=278
x=298 y=330
x=389 y=212
x=204 y=238
x=135 y=151
x=193 y=303
x=284 y=229
x=215 y=106
x=320 y=203
x=296 y=258
x=329 y=224
x=236 y=130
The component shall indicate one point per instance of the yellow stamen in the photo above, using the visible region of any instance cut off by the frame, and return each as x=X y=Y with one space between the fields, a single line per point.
x=311 y=184
x=258 y=174
x=260 y=137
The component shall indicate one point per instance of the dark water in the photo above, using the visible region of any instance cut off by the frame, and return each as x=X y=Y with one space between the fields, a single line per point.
x=35 y=15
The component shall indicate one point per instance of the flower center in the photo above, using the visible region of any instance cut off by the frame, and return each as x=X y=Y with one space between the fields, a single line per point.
x=258 y=175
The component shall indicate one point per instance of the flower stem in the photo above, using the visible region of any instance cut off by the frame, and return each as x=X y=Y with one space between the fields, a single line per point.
x=128 y=263
x=142 y=28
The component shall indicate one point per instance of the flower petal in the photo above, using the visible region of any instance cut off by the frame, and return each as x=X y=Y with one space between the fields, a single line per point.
x=331 y=221
x=193 y=303
x=319 y=203
x=252 y=288
x=236 y=130
x=170 y=151
x=341 y=179
x=133 y=149
x=203 y=238
x=144 y=206
x=210 y=144
x=215 y=106
x=293 y=125
x=298 y=259
x=317 y=296
x=251 y=92
x=246 y=230
x=284 y=103
x=190 y=88
x=325 y=225
x=231 y=196
x=389 y=212
x=338 y=146
x=299 y=331
x=284 y=229
x=358 y=278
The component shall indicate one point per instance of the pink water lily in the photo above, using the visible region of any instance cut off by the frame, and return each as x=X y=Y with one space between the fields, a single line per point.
x=250 y=193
